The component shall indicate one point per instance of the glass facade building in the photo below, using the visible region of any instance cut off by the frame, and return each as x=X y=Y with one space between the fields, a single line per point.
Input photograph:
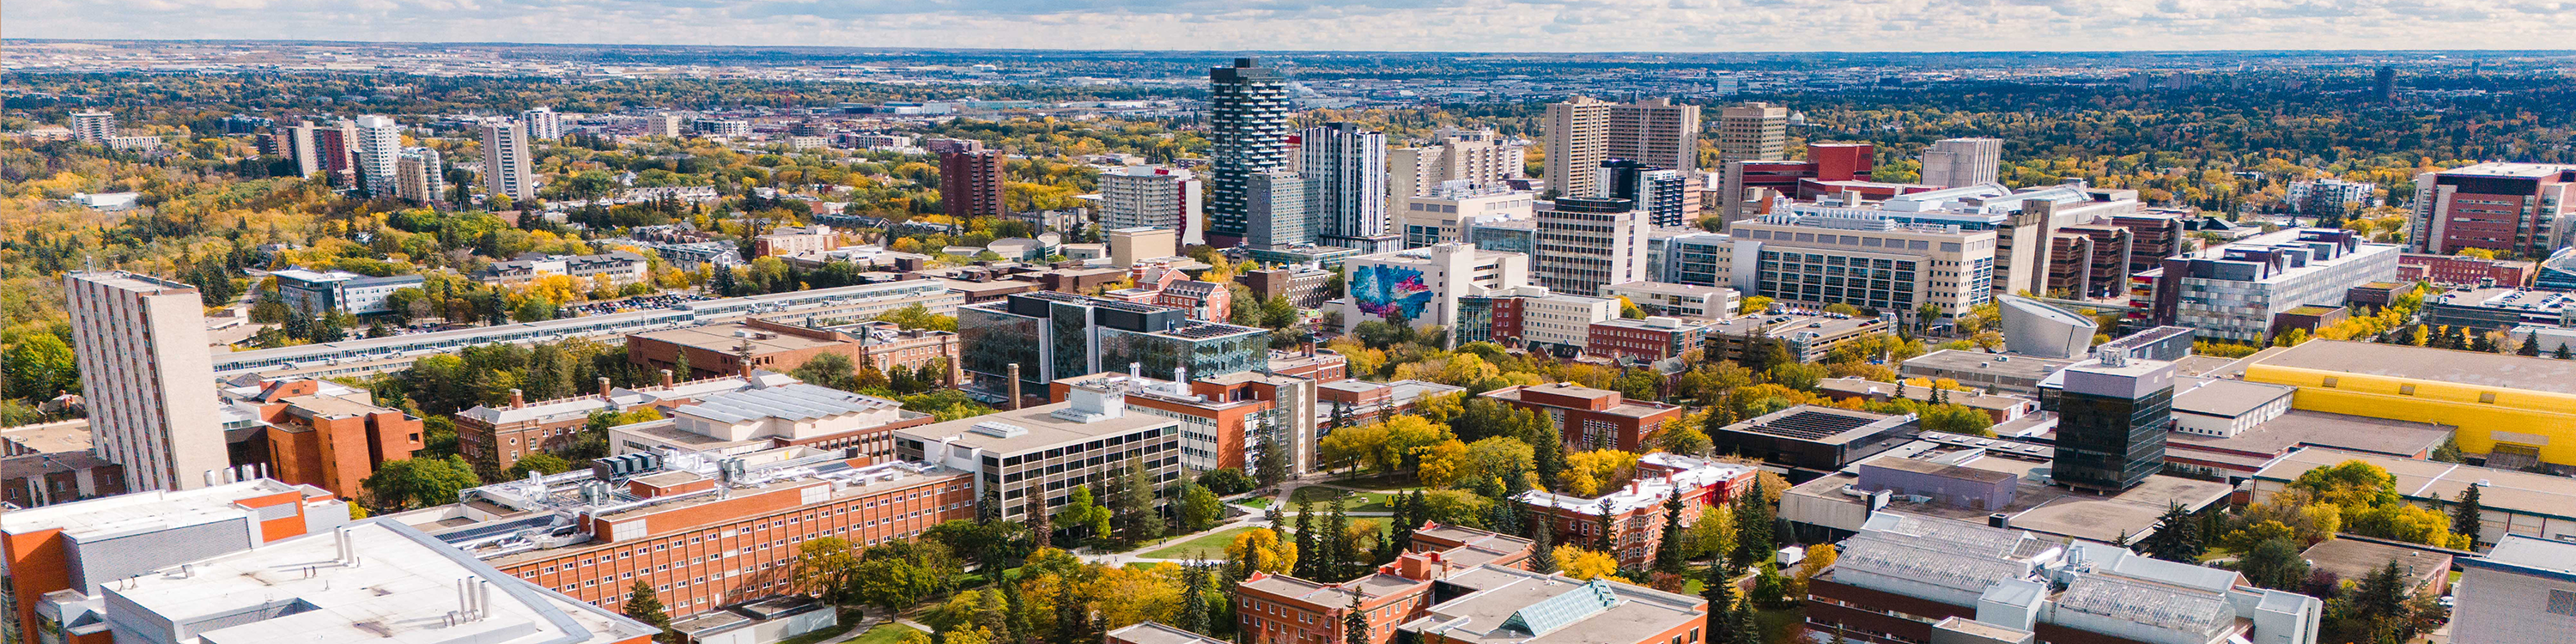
x=2113 y=417
x=1056 y=335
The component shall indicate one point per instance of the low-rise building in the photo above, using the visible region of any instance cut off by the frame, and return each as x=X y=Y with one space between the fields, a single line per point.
x=2461 y=271
x=1633 y=511
x=76 y=550
x=1979 y=370
x=1648 y=340
x=1813 y=438
x=1031 y=459
x=1509 y=606
x=1301 y=285
x=326 y=435
x=618 y=267
x=1592 y=418
x=2510 y=411
x=2512 y=502
x=2239 y=456
x=494 y=438
x=2522 y=591
x=1225 y=417
x=2232 y=292
x=1360 y=401
x=318 y=292
x=1807 y=337
x=1998 y=407
x=2498 y=309
x=794 y=240
x=760 y=418
x=1280 y=608
x=2426 y=570
x=1677 y=300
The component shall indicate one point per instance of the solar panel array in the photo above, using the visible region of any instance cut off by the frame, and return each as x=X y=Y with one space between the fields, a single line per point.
x=1809 y=425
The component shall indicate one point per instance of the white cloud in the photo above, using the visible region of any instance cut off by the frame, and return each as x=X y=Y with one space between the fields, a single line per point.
x=1451 y=25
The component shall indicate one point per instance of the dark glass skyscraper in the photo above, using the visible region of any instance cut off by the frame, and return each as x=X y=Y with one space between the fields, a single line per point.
x=1248 y=123
x=2112 y=421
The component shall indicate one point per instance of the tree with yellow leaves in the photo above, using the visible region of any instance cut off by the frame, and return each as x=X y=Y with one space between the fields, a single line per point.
x=1260 y=550
x=1586 y=565
x=1589 y=473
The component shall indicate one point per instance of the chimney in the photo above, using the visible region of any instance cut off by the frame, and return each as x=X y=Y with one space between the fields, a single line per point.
x=1015 y=387
x=603 y=388
x=517 y=400
x=666 y=378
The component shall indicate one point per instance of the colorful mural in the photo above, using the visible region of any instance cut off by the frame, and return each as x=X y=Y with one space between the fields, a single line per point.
x=1389 y=291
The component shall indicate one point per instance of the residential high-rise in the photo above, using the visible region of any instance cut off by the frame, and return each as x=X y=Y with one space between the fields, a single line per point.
x=506 y=171
x=1248 y=109
x=1656 y=191
x=2384 y=83
x=296 y=142
x=2112 y=420
x=1577 y=140
x=666 y=124
x=93 y=126
x=2526 y=209
x=1345 y=169
x=2327 y=196
x=420 y=176
x=1144 y=196
x=379 y=144
x=1478 y=157
x=1585 y=243
x=543 y=123
x=971 y=183
x=335 y=152
x=1951 y=163
x=150 y=380
x=1655 y=132
x=1752 y=131
x=1279 y=214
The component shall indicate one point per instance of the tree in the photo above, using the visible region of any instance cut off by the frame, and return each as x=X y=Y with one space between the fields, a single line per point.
x=1200 y=508
x=1745 y=628
x=2177 y=537
x=1261 y=550
x=897 y=574
x=1440 y=464
x=39 y=366
x=1226 y=481
x=541 y=463
x=643 y=606
x=1717 y=585
x=1194 y=605
x=1336 y=544
x=1542 y=544
x=2467 y=519
x=1819 y=557
x=1310 y=551
x=1669 y=558
x=1272 y=467
x=1355 y=624
x=2275 y=564
x=1753 y=522
x=1586 y=565
x=419 y=482
x=1082 y=516
x=824 y=566
x=1139 y=521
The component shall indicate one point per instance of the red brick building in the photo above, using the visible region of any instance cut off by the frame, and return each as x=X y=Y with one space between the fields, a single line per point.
x=1224 y=414
x=1279 y=609
x=1636 y=508
x=495 y=437
x=1646 y=340
x=733 y=349
x=2456 y=270
x=1586 y=417
x=971 y=182
x=326 y=441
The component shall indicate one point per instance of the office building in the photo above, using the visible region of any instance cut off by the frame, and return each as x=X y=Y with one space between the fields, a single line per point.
x=1586 y=243
x=378 y=145
x=2329 y=196
x=2498 y=309
x=768 y=417
x=723 y=128
x=93 y=126
x=1677 y=300
x=1655 y=191
x=2234 y=292
x=1583 y=132
x=2558 y=272
x=1045 y=336
x=1748 y=187
x=1536 y=319
x=2153 y=237
x=2526 y=209
x=420 y=176
x=1752 y=131
x=1031 y=459
x=2091 y=261
x=310 y=432
x=2112 y=419
x=1300 y=285
x=705 y=529
x=497 y=436
x=1982 y=371
x=1345 y=174
x=1248 y=109
x=971 y=184
x=1361 y=401
x=2461 y=271
x=735 y=348
x=1906 y=578
x=1647 y=340
x=1588 y=418
x=1953 y=163
x=1448 y=214
x=1809 y=438
x=543 y=123
x=1139 y=196
x=322 y=292
x=1823 y=259
x=1808 y=336
x=2522 y=591
x=666 y=124
x=1633 y=510
x=1477 y=157
x=141 y=347
x=1228 y=421
x=1425 y=285
x=507 y=170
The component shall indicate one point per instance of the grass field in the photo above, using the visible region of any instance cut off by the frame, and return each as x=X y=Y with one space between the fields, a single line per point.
x=882 y=634
x=1211 y=546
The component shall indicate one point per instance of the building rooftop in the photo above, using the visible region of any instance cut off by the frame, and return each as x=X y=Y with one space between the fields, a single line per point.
x=149 y=510
x=1156 y=633
x=1816 y=424
x=2517 y=170
x=796 y=401
x=2022 y=367
x=1033 y=428
x=2301 y=428
x=2527 y=553
x=400 y=586
x=2225 y=398
x=1521 y=607
x=2037 y=506
x=2470 y=368
x=734 y=337
x=2505 y=490
x=1624 y=408
x=2353 y=559
x=1644 y=490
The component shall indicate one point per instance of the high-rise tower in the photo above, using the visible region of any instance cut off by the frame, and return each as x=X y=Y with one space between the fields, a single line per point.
x=971 y=183
x=144 y=365
x=1752 y=131
x=506 y=169
x=1951 y=163
x=1248 y=124
x=2112 y=421
x=379 y=143
x=1345 y=169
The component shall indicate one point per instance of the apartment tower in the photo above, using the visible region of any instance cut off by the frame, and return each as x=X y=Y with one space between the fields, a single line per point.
x=971 y=183
x=1345 y=169
x=379 y=144
x=150 y=380
x=93 y=126
x=543 y=123
x=506 y=169
x=1752 y=131
x=1248 y=124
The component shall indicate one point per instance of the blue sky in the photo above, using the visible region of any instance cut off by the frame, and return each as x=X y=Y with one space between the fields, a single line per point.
x=1450 y=25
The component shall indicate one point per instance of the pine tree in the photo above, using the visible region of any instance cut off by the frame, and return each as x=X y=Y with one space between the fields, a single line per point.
x=2530 y=346
x=2177 y=537
x=1355 y=626
x=1746 y=629
x=1308 y=558
x=1041 y=531
x=1405 y=521
x=1719 y=589
x=1753 y=521
x=1668 y=547
x=1608 y=527
x=1194 y=606
x=1272 y=468
x=1542 y=545
x=1018 y=616
x=1139 y=520
x=1338 y=557
x=2466 y=519
x=644 y=606
x=1547 y=453
x=2563 y=353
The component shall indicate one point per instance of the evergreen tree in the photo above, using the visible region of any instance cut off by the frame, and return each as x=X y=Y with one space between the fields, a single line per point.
x=1018 y=617
x=1743 y=627
x=1139 y=521
x=1753 y=521
x=1542 y=545
x=2383 y=592
x=1194 y=588
x=1355 y=626
x=1608 y=527
x=1547 y=453
x=2563 y=353
x=1041 y=530
x=644 y=606
x=1719 y=589
x=1405 y=521
x=1338 y=557
x=1668 y=548
x=2465 y=518
x=1308 y=557
x=2177 y=537
x=2530 y=346
x=1272 y=468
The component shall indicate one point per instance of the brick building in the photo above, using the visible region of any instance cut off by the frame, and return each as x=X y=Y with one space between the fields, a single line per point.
x=1589 y=417
x=332 y=440
x=971 y=183
x=495 y=437
x=2462 y=271
x=1635 y=509
x=1303 y=286
x=1319 y=365
x=81 y=547
x=706 y=530
x=731 y=348
x=1280 y=609
x=1651 y=339
x=1498 y=605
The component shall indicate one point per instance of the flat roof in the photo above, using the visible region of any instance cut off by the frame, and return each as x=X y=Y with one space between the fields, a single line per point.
x=2302 y=428
x=1817 y=424
x=1521 y=607
x=2032 y=368
x=2227 y=398
x=2473 y=368
x=147 y=510
x=2039 y=507
x=2505 y=490
x=2354 y=559
x=2516 y=170
x=731 y=337
x=2534 y=553
x=1156 y=633
x=1043 y=429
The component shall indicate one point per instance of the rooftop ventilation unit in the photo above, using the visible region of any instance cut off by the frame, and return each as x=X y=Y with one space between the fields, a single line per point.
x=1000 y=430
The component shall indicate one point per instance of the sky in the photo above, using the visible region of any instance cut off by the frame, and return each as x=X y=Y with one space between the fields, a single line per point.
x=1396 y=25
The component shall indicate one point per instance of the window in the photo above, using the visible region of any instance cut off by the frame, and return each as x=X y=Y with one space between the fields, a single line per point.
x=2331 y=381
x=2562 y=602
x=2487 y=397
x=2406 y=390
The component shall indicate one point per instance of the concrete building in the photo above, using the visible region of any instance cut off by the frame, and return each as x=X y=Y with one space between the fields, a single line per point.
x=2558 y=272
x=543 y=123
x=377 y=151
x=971 y=183
x=2511 y=411
x=1813 y=438
x=1808 y=259
x=141 y=347
x=1582 y=132
x=2522 y=591
x=1301 y=285
x=1278 y=212
x=2233 y=292
x=1513 y=606
x=1979 y=370
x=721 y=128
x=1677 y=300
x=1915 y=579
x=2517 y=208
x=1748 y=187
x=494 y=437
x=2036 y=329
x=1281 y=608
x=2324 y=197
x=420 y=176
x=1425 y=285
x=1576 y=140
x=1447 y=215
x=1031 y=459
x=1229 y=421
x=1633 y=510
x=1656 y=191
x=1985 y=480
x=1585 y=244
x=2498 y=309
x=319 y=292
x=1807 y=337
x=1952 y=163
x=1248 y=108
x=1532 y=318
x=73 y=551
x=1587 y=418
x=1477 y=157
x=1752 y=131
x=507 y=170
x=93 y=126
x=1154 y=197
x=795 y=240
x=761 y=418
x=1999 y=408
x=1345 y=171
x=1044 y=336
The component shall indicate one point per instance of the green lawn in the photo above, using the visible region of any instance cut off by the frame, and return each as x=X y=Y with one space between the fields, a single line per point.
x=1358 y=501
x=1396 y=481
x=887 y=633
x=1210 y=546
x=1254 y=502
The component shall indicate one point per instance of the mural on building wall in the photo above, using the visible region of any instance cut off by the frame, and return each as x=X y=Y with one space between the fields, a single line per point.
x=1388 y=291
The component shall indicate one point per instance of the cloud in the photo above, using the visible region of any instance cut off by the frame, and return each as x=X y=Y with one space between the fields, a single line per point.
x=1430 y=25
